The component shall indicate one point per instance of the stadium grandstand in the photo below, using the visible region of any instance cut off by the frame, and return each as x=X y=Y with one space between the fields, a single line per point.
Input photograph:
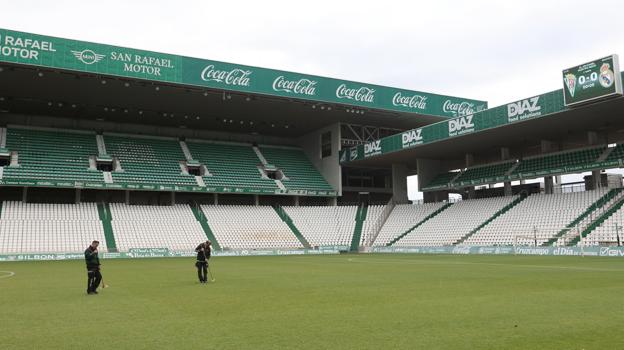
x=146 y=150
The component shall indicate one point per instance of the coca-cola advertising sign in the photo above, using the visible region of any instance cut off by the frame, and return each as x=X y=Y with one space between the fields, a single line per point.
x=360 y=94
x=232 y=77
x=410 y=101
x=458 y=109
x=301 y=86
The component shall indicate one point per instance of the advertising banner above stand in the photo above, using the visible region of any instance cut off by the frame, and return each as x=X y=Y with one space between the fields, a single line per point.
x=81 y=56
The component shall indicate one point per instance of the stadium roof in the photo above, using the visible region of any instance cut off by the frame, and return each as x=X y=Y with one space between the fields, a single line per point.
x=126 y=85
x=491 y=129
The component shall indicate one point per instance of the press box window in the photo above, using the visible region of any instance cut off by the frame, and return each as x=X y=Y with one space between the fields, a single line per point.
x=195 y=168
x=104 y=164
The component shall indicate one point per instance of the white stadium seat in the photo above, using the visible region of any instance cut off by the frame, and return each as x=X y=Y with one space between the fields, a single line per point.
x=50 y=228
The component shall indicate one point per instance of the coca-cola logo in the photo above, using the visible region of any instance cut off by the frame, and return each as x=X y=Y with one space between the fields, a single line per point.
x=301 y=87
x=237 y=77
x=458 y=108
x=362 y=94
x=414 y=101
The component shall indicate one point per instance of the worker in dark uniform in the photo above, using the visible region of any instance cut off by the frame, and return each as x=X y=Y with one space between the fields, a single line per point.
x=203 y=254
x=93 y=267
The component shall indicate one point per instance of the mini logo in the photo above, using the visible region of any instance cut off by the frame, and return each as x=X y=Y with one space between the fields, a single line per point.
x=88 y=56
x=606 y=76
x=570 y=82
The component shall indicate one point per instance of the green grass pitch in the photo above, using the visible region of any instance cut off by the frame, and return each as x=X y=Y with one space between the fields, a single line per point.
x=318 y=302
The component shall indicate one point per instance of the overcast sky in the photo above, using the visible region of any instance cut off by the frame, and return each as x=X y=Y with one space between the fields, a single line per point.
x=498 y=51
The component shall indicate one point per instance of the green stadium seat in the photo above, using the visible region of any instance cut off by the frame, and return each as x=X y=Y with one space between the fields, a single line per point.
x=231 y=165
x=52 y=155
x=147 y=160
x=301 y=174
x=484 y=174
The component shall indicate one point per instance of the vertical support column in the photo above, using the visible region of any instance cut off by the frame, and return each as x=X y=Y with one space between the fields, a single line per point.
x=469 y=162
x=427 y=169
x=596 y=179
x=507 y=189
x=296 y=201
x=399 y=183
x=77 y=196
x=548 y=185
x=333 y=201
x=256 y=200
x=127 y=197
x=505 y=155
x=216 y=199
x=547 y=147
x=172 y=198
x=592 y=139
x=25 y=195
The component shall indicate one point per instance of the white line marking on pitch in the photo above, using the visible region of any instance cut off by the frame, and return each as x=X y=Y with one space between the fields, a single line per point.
x=6 y=274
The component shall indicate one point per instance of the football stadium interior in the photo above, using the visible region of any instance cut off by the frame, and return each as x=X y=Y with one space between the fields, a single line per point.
x=300 y=183
x=148 y=150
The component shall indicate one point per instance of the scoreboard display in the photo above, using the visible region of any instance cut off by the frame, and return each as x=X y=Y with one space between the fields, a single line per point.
x=593 y=80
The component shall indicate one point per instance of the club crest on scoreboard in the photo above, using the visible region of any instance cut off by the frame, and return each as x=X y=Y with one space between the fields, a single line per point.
x=607 y=78
x=570 y=83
